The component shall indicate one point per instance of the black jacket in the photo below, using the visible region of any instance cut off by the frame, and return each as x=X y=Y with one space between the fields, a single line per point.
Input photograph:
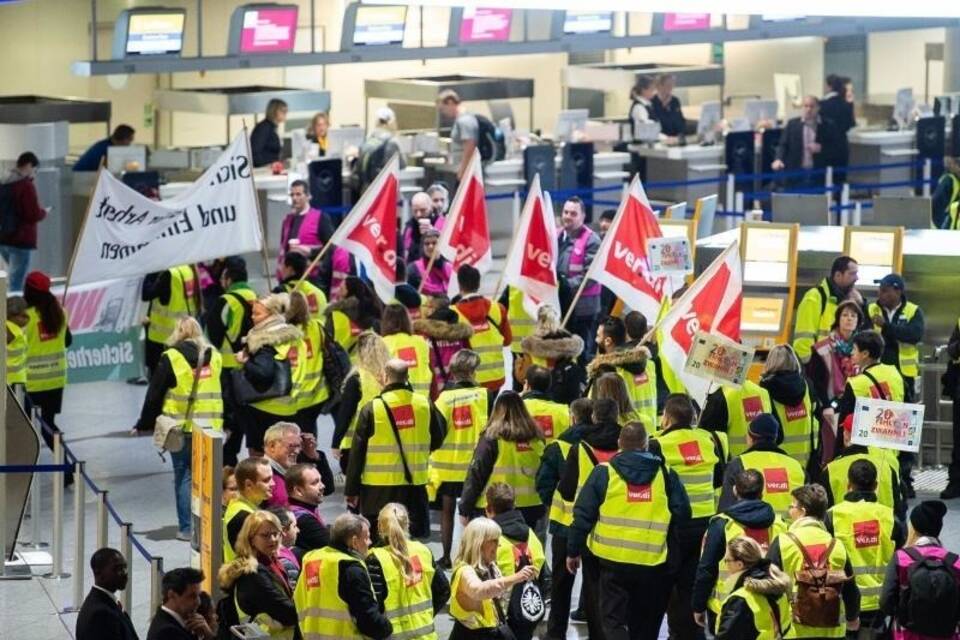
x=736 y=618
x=478 y=473
x=898 y=330
x=265 y=145
x=217 y=330
x=165 y=627
x=837 y=110
x=348 y=407
x=162 y=381
x=790 y=149
x=261 y=592
x=752 y=514
x=568 y=378
x=899 y=533
x=313 y=534
x=101 y=618
x=670 y=116
x=552 y=466
x=604 y=437
x=899 y=504
x=439 y=586
x=355 y=589
x=735 y=466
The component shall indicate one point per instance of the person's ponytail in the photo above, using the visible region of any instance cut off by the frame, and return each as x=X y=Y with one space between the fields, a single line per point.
x=393 y=524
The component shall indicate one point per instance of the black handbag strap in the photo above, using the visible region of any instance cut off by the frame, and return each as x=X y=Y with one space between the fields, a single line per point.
x=396 y=433
x=201 y=356
x=876 y=384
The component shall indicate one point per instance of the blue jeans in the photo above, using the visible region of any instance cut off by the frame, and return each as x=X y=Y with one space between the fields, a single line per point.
x=182 y=478
x=18 y=263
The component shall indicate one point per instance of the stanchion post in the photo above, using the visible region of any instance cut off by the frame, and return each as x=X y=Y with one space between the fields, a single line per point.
x=56 y=569
x=857 y=214
x=126 y=550
x=156 y=575
x=828 y=178
x=927 y=175
x=36 y=509
x=738 y=208
x=731 y=190
x=103 y=532
x=845 y=204
x=516 y=208
x=79 y=504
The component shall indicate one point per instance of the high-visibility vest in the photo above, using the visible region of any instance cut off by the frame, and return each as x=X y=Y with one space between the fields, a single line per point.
x=866 y=530
x=415 y=351
x=781 y=475
x=521 y=324
x=561 y=511
x=369 y=389
x=908 y=361
x=285 y=406
x=316 y=298
x=323 y=614
x=383 y=466
x=310 y=385
x=234 y=507
x=642 y=389
x=465 y=412
x=234 y=321
x=553 y=418
x=16 y=355
x=763 y=614
x=839 y=468
x=815 y=316
x=799 y=430
x=486 y=618
x=953 y=221
x=345 y=332
x=692 y=453
x=743 y=405
x=815 y=539
x=409 y=602
x=633 y=522
x=267 y=624
x=510 y=552
x=516 y=465
x=733 y=529
x=487 y=341
x=46 y=354
x=888 y=378
x=183 y=301
x=207 y=410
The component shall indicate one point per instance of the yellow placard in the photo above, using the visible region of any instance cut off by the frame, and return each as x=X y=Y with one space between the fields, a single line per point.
x=762 y=314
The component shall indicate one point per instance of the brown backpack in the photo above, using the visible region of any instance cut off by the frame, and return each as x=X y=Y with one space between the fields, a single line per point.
x=818 y=589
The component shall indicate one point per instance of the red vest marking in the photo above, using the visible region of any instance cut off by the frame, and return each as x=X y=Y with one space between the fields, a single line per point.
x=403 y=416
x=690 y=452
x=776 y=480
x=639 y=493
x=462 y=417
x=752 y=407
x=866 y=534
x=546 y=424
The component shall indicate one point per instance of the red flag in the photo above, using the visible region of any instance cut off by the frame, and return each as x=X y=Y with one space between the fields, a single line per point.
x=711 y=304
x=465 y=238
x=622 y=264
x=369 y=232
x=531 y=266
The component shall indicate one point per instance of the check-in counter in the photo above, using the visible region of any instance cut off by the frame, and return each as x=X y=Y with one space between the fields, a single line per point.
x=682 y=164
x=882 y=147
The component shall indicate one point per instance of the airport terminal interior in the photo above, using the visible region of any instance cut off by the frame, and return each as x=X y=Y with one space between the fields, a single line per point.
x=800 y=136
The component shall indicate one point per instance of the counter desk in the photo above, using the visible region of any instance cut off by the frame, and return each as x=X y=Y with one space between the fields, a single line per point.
x=882 y=147
x=682 y=164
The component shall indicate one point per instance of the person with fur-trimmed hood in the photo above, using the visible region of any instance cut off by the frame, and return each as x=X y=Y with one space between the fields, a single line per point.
x=557 y=349
x=760 y=586
x=446 y=335
x=633 y=364
x=356 y=309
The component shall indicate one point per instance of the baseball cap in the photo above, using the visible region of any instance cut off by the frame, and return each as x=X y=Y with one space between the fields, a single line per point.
x=894 y=280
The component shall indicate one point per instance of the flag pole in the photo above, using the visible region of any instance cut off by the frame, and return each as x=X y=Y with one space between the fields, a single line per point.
x=573 y=303
x=423 y=276
x=83 y=227
x=256 y=199
x=548 y=205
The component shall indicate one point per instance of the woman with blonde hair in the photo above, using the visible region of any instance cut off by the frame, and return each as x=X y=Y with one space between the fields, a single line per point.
x=509 y=451
x=479 y=591
x=318 y=129
x=363 y=384
x=793 y=405
x=180 y=388
x=405 y=576
x=758 y=607
x=557 y=349
x=256 y=582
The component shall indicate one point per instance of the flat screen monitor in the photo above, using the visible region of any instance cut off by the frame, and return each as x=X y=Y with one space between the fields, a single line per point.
x=341 y=140
x=711 y=113
x=875 y=253
x=379 y=25
x=129 y=158
x=757 y=111
x=762 y=313
x=686 y=22
x=910 y=212
x=767 y=256
x=156 y=32
x=577 y=22
x=267 y=29
x=903 y=106
x=485 y=25
x=569 y=121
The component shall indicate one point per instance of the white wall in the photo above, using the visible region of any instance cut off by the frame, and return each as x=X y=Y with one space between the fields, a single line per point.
x=895 y=60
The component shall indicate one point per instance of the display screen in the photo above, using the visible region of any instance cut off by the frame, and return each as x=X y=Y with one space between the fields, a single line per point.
x=379 y=25
x=874 y=251
x=767 y=255
x=686 y=21
x=485 y=25
x=761 y=315
x=150 y=34
x=269 y=30
x=588 y=22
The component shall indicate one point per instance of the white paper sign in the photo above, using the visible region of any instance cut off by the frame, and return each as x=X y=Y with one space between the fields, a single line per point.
x=718 y=359
x=889 y=425
x=669 y=255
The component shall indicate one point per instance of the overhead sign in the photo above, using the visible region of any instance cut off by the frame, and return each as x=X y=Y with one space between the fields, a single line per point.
x=718 y=359
x=889 y=425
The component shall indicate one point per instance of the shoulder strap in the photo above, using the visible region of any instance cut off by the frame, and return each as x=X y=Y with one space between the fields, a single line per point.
x=201 y=356
x=808 y=561
x=876 y=384
x=775 y=616
x=396 y=434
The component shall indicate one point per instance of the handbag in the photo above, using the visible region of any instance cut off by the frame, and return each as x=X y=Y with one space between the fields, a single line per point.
x=245 y=393
x=168 y=431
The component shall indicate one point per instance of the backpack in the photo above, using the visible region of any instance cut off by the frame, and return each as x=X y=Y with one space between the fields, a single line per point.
x=9 y=218
x=818 y=589
x=526 y=606
x=928 y=602
x=336 y=366
x=490 y=140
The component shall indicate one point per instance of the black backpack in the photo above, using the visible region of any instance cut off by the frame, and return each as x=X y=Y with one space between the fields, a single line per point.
x=490 y=140
x=336 y=366
x=9 y=217
x=928 y=601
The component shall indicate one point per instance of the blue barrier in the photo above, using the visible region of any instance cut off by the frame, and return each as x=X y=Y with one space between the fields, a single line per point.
x=35 y=468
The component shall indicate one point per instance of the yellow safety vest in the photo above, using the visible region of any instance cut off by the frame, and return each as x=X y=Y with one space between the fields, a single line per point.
x=235 y=506
x=509 y=553
x=233 y=322
x=561 y=511
x=799 y=428
x=316 y=298
x=183 y=301
x=909 y=354
x=692 y=453
x=285 y=406
x=839 y=468
x=16 y=355
x=411 y=414
x=815 y=539
x=345 y=332
x=310 y=385
x=781 y=475
x=815 y=316
x=208 y=406
x=521 y=324
x=369 y=389
x=409 y=602
x=888 y=378
x=487 y=341
x=516 y=465
x=743 y=405
x=46 y=354
x=954 y=223
x=731 y=530
x=866 y=530
x=633 y=522
x=323 y=614
x=642 y=389
x=763 y=614
x=486 y=618
x=415 y=351
x=465 y=412
x=553 y=418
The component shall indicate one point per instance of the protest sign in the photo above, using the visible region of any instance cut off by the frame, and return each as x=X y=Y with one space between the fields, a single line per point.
x=718 y=359
x=889 y=425
x=669 y=255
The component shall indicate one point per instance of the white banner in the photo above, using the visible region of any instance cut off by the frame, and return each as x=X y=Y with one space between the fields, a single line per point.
x=127 y=234
x=889 y=425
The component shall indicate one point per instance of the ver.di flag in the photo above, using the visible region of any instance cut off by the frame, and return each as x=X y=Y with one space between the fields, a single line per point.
x=128 y=235
x=465 y=238
x=531 y=266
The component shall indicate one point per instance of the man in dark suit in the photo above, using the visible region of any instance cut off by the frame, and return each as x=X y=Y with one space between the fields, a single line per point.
x=177 y=617
x=101 y=616
x=807 y=142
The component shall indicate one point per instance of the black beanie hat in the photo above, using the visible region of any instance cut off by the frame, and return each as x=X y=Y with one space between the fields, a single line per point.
x=927 y=517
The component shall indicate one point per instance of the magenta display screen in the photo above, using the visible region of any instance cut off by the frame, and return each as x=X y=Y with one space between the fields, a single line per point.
x=686 y=21
x=269 y=30
x=485 y=25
